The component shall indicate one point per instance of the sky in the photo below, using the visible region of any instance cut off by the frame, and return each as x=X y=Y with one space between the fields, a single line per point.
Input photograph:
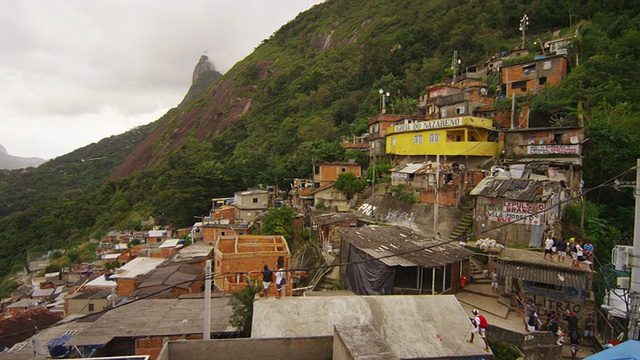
x=73 y=72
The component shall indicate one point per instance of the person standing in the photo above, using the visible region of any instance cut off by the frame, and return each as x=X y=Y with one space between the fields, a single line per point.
x=588 y=254
x=280 y=283
x=548 y=246
x=267 y=278
x=589 y=327
x=572 y=322
x=494 y=282
x=531 y=315
x=578 y=255
x=562 y=250
x=480 y=328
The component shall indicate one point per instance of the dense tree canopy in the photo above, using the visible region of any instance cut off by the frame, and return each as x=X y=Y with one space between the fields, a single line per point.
x=324 y=71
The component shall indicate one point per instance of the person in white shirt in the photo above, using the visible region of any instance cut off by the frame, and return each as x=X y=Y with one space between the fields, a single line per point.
x=548 y=248
x=280 y=283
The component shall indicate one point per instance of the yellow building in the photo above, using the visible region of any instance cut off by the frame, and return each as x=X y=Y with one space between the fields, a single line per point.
x=463 y=136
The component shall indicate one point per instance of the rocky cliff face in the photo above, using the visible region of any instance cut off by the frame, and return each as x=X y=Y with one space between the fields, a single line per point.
x=221 y=107
x=11 y=162
x=203 y=66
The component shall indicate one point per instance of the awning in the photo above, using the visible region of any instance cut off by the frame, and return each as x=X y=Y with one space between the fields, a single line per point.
x=553 y=276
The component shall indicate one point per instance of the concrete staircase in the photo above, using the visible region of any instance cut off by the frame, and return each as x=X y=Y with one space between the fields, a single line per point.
x=465 y=222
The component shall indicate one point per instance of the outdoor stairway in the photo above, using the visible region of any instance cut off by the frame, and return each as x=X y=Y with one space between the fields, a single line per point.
x=465 y=222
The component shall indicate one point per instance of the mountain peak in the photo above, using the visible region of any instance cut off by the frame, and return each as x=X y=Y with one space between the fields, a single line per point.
x=203 y=66
x=11 y=162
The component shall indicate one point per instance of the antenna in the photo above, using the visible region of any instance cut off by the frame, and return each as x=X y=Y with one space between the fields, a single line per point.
x=455 y=65
x=524 y=22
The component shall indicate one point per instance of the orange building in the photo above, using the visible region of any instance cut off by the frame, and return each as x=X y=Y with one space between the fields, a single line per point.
x=239 y=259
x=532 y=76
x=327 y=173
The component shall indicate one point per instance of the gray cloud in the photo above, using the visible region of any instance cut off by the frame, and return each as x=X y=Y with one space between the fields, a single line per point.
x=74 y=72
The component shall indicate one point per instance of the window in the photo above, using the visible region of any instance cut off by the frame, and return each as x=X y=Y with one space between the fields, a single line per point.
x=460 y=110
x=542 y=80
x=417 y=139
x=255 y=200
x=344 y=170
x=529 y=69
x=557 y=138
x=519 y=85
x=434 y=138
x=393 y=141
x=91 y=307
x=546 y=65
x=444 y=112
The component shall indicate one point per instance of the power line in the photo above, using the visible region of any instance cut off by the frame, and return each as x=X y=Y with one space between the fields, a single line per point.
x=606 y=183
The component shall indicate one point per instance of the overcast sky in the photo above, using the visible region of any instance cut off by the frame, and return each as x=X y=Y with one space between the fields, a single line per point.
x=74 y=72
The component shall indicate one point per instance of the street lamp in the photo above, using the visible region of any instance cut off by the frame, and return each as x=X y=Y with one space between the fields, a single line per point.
x=524 y=22
x=383 y=99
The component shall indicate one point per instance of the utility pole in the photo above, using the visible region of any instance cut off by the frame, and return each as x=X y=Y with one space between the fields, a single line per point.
x=206 y=333
x=436 y=200
x=634 y=295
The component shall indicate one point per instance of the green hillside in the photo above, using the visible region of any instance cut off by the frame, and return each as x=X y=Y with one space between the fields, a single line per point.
x=317 y=79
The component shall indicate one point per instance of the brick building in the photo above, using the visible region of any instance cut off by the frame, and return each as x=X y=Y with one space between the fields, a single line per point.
x=327 y=173
x=237 y=256
x=532 y=76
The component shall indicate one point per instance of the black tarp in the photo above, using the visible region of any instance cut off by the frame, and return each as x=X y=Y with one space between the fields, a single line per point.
x=371 y=277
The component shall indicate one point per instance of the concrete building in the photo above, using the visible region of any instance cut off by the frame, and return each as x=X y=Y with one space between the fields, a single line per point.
x=554 y=153
x=533 y=206
x=87 y=302
x=378 y=126
x=452 y=181
x=388 y=327
x=346 y=327
x=127 y=275
x=249 y=204
x=466 y=140
x=554 y=286
x=141 y=327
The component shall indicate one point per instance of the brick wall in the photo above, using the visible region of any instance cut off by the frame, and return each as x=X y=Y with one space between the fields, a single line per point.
x=125 y=287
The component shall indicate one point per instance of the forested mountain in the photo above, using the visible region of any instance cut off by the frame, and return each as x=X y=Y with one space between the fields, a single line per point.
x=315 y=80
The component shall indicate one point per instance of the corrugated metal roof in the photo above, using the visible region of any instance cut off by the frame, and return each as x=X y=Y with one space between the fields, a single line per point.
x=324 y=218
x=528 y=190
x=409 y=168
x=175 y=275
x=553 y=276
x=157 y=317
x=400 y=246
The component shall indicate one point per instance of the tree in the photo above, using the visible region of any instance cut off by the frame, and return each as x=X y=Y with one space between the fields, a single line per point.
x=243 y=308
x=279 y=221
x=350 y=184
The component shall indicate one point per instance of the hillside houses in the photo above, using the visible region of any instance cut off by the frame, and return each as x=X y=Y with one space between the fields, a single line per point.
x=448 y=153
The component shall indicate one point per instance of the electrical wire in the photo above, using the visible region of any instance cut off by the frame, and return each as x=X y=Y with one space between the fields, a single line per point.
x=213 y=276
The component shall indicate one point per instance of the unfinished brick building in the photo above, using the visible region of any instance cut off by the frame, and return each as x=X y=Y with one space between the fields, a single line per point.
x=239 y=259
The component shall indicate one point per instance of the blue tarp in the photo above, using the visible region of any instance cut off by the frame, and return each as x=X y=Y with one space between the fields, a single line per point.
x=628 y=350
x=56 y=346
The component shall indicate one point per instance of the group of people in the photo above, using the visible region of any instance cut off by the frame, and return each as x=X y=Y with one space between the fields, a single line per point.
x=579 y=252
x=268 y=276
x=552 y=324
